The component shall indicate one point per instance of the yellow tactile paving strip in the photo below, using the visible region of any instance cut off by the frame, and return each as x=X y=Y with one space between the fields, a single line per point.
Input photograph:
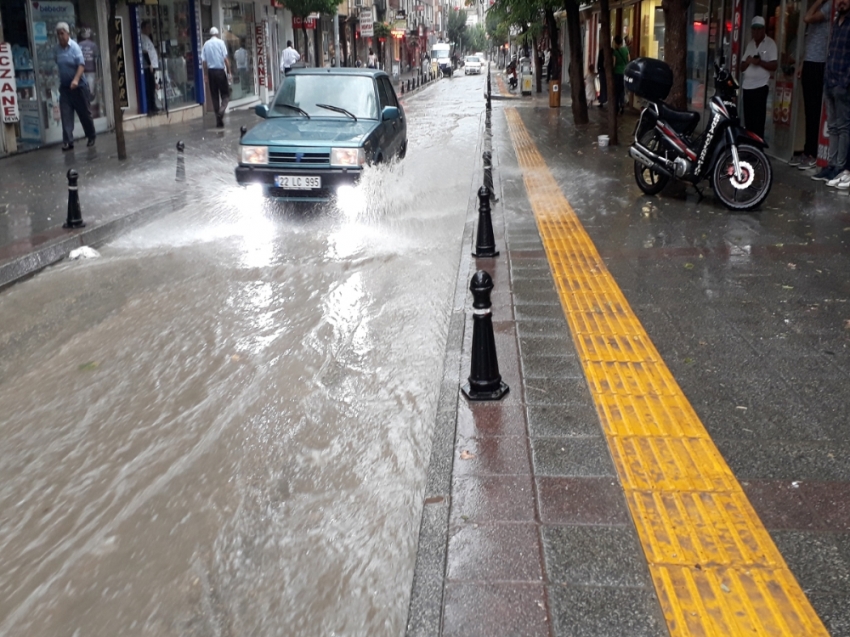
x=503 y=88
x=715 y=568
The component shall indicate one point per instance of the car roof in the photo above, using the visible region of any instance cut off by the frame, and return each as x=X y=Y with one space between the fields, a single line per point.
x=363 y=72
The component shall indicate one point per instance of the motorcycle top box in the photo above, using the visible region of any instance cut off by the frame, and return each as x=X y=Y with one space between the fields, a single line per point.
x=649 y=78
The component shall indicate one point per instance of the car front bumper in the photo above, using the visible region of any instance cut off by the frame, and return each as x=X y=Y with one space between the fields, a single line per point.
x=332 y=178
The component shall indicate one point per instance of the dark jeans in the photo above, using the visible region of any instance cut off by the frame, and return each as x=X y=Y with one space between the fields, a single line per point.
x=72 y=101
x=620 y=88
x=219 y=91
x=812 y=81
x=838 y=121
x=150 y=91
x=755 y=109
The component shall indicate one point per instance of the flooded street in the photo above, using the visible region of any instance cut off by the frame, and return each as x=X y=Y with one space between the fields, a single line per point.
x=222 y=426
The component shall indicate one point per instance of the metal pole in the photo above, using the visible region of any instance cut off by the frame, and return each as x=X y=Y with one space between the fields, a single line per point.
x=336 y=37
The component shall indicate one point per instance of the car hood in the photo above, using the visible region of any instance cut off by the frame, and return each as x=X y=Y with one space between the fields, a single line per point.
x=300 y=131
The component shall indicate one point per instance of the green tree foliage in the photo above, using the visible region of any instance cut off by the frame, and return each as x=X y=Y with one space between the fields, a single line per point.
x=303 y=8
x=456 y=27
x=476 y=38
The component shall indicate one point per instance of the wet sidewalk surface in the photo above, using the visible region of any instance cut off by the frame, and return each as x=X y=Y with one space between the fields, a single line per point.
x=526 y=529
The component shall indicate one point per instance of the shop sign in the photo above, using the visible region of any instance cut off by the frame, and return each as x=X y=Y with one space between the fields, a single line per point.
x=121 y=63
x=367 y=26
x=300 y=23
x=8 y=86
x=399 y=29
x=260 y=33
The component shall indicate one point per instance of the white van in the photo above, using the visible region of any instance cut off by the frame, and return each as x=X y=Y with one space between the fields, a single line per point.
x=441 y=55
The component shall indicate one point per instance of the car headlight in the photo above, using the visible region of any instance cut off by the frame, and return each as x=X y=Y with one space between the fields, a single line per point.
x=254 y=154
x=348 y=157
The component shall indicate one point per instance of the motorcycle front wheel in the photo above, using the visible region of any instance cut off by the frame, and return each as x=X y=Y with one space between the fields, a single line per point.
x=648 y=180
x=752 y=188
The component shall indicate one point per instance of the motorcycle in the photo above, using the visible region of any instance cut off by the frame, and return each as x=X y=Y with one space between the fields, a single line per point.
x=512 y=77
x=729 y=156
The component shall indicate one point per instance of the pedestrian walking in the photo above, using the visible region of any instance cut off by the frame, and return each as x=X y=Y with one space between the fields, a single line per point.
x=621 y=58
x=73 y=90
x=811 y=76
x=91 y=53
x=217 y=66
x=288 y=57
x=151 y=64
x=837 y=96
x=760 y=60
x=372 y=60
x=590 y=85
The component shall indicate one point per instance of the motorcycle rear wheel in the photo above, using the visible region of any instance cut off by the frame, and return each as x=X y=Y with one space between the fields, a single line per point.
x=647 y=179
x=735 y=195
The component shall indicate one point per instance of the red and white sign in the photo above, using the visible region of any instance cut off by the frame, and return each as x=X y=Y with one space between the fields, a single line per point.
x=8 y=86
x=737 y=19
x=367 y=25
x=298 y=23
x=260 y=35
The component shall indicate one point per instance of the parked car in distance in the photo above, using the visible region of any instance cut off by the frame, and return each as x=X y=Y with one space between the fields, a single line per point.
x=320 y=131
x=471 y=64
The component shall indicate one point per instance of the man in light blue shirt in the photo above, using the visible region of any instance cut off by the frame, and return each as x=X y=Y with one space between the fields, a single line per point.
x=73 y=90
x=217 y=65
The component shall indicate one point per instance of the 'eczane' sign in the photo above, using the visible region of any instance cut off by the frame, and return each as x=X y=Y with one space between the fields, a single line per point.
x=8 y=86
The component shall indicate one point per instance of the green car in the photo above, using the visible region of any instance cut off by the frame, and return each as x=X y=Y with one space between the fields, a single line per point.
x=323 y=127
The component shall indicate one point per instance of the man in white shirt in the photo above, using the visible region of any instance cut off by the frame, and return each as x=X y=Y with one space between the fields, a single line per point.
x=217 y=65
x=240 y=56
x=288 y=57
x=150 y=67
x=760 y=60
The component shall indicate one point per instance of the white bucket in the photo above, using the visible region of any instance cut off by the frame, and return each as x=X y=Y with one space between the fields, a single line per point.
x=603 y=141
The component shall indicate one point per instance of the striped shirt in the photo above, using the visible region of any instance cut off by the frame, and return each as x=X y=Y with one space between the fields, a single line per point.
x=214 y=53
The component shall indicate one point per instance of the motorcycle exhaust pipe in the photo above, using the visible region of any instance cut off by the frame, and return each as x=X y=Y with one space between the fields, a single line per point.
x=650 y=160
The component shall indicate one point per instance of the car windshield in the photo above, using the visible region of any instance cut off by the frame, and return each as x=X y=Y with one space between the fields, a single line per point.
x=355 y=94
x=440 y=53
x=472 y=59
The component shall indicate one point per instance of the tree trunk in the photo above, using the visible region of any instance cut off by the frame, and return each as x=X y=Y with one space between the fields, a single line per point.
x=608 y=56
x=538 y=65
x=676 y=48
x=576 y=64
x=117 y=112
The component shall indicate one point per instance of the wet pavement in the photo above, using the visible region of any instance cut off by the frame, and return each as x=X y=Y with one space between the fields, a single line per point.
x=524 y=526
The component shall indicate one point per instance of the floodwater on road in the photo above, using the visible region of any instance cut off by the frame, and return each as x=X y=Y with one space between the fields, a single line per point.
x=222 y=426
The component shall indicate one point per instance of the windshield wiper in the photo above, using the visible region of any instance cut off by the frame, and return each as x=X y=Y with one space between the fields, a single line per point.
x=338 y=109
x=295 y=108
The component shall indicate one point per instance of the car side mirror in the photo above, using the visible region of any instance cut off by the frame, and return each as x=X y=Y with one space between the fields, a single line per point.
x=262 y=110
x=390 y=112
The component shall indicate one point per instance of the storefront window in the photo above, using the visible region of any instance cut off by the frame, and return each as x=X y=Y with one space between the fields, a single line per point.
x=652 y=30
x=175 y=81
x=697 y=54
x=238 y=35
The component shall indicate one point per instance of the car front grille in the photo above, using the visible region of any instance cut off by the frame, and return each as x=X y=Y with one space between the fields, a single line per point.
x=317 y=193
x=293 y=158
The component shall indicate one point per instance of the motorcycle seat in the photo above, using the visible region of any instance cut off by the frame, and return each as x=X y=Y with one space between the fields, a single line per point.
x=683 y=122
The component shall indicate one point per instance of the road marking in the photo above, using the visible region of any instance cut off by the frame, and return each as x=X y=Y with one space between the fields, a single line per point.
x=715 y=568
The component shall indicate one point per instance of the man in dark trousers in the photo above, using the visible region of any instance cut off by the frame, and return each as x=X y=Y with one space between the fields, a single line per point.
x=760 y=60
x=217 y=66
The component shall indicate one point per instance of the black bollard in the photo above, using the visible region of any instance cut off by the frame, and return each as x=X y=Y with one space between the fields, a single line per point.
x=242 y=131
x=488 y=175
x=485 y=243
x=181 y=163
x=75 y=215
x=485 y=382
x=401 y=88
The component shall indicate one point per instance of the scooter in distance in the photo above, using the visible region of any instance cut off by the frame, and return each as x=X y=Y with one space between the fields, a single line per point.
x=729 y=156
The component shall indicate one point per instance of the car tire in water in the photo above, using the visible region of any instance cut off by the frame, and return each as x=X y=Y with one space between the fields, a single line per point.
x=649 y=181
x=402 y=152
x=757 y=176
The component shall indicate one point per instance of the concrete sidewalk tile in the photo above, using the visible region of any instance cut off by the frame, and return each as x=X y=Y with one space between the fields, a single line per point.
x=554 y=313
x=495 y=552
x=554 y=343
x=481 y=609
x=481 y=499
x=781 y=460
x=780 y=505
x=555 y=391
x=551 y=367
x=833 y=610
x=485 y=419
x=571 y=457
x=587 y=501
x=609 y=612
x=594 y=556
x=544 y=328
x=492 y=456
x=570 y=420
x=522 y=285
x=816 y=560
x=537 y=298
x=829 y=502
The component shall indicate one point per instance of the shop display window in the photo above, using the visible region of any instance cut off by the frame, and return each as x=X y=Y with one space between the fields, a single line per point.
x=238 y=34
x=171 y=35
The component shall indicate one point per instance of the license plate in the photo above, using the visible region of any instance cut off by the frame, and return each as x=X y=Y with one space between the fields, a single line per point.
x=289 y=182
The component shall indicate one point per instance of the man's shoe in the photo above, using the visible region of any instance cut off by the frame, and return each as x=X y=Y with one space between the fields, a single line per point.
x=844 y=174
x=844 y=183
x=807 y=163
x=67 y=147
x=825 y=174
x=795 y=160
x=91 y=141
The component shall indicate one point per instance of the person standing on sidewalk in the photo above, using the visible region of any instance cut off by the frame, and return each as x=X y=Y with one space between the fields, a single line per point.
x=810 y=73
x=760 y=60
x=621 y=58
x=151 y=65
x=73 y=90
x=217 y=65
x=837 y=95
x=288 y=57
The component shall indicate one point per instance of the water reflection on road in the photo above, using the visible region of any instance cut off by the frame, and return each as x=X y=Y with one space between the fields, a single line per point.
x=222 y=426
